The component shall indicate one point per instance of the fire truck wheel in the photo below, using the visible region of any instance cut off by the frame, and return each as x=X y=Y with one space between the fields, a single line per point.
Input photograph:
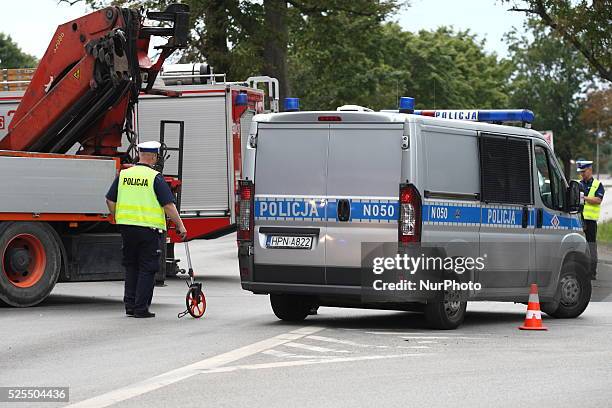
x=291 y=308
x=31 y=262
x=573 y=292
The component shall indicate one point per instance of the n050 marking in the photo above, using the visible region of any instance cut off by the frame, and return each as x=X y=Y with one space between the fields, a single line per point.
x=440 y=213
x=378 y=210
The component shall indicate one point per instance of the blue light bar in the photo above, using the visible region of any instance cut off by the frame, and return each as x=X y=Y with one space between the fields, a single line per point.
x=292 y=104
x=511 y=115
x=492 y=115
x=242 y=99
x=406 y=103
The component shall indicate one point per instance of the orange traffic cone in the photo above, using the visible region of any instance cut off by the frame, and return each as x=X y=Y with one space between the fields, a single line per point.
x=533 y=320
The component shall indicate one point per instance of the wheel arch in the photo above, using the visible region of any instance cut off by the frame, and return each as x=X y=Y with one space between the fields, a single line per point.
x=64 y=273
x=575 y=256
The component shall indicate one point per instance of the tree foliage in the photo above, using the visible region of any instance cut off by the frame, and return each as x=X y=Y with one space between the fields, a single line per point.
x=585 y=24
x=11 y=55
x=552 y=80
x=597 y=113
x=373 y=65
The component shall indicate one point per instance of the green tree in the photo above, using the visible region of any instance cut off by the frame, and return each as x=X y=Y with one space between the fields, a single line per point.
x=372 y=64
x=597 y=120
x=587 y=25
x=11 y=55
x=551 y=79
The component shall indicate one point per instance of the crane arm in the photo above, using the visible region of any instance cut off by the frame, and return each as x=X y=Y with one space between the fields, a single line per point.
x=89 y=79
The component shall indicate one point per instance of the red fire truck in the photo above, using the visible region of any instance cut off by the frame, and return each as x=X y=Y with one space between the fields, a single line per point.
x=94 y=95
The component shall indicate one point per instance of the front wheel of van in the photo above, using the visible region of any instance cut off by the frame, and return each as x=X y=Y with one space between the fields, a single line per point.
x=573 y=292
x=446 y=315
x=291 y=308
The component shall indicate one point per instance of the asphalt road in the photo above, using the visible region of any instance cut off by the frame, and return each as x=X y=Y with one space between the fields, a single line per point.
x=239 y=354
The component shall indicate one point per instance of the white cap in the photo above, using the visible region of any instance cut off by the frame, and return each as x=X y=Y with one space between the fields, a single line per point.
x=582 y=165
x=149 y=147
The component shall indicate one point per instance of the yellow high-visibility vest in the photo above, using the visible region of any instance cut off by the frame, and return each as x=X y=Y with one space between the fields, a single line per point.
x=591 y=211
x=136 y=200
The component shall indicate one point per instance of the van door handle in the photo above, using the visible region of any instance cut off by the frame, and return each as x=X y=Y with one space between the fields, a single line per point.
x=525 y=220
x=539 y=218
x=344 y=210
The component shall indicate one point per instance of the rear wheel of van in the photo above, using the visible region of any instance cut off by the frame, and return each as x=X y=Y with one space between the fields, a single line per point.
x=291 y=308
x=446 y=315
x=573 y=292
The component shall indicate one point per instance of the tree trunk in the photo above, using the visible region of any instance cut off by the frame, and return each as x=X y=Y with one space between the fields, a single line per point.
x=215 y=47
x=276 y=34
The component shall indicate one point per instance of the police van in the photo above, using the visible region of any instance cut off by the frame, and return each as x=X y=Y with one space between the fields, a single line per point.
x=319 y=185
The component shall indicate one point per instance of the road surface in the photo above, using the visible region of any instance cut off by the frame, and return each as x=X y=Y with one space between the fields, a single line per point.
x=241 y=355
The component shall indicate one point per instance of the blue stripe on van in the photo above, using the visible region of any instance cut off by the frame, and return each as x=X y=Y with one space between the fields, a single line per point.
x=290 y=208
x=502 y=216
x=364 y=210
x=451 y=213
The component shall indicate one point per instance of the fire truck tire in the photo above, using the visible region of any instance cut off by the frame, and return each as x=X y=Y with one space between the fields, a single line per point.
x=291 y=308
x=31 y=261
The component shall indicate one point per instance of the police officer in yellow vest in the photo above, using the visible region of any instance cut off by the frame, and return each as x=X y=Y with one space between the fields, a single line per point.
x=593 y=196
x=140 y=199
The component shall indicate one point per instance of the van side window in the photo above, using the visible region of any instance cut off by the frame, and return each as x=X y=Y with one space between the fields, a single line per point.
x=550 y=181
x=544 y=183
x=505 y=164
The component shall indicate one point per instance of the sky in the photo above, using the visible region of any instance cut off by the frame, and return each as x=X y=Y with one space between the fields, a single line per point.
x=31 y=23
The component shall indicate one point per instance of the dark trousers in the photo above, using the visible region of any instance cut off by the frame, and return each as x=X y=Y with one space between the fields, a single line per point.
x=590 y=231
x=141 y=252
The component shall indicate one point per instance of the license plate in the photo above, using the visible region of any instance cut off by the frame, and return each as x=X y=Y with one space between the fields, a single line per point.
x=288 y=242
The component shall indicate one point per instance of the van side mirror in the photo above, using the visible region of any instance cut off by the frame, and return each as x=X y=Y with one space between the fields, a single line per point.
x=573 y=197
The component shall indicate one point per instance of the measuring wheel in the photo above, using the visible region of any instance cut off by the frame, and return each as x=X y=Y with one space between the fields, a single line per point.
x=195 y=301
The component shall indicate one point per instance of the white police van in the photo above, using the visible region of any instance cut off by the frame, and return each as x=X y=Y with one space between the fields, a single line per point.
x=318 y=185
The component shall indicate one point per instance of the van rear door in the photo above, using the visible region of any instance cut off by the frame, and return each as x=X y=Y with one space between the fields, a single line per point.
x=290 y=203
x=363 y=178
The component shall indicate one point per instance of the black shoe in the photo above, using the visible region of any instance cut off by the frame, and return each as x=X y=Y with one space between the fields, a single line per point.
x=143 y=315
x=129 y=312
x=593 y=277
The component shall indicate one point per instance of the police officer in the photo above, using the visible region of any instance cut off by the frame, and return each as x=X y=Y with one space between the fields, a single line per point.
x=140 y=199
x=593 y=195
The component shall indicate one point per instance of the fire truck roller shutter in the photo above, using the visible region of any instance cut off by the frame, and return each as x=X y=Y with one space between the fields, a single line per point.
x=205 y=187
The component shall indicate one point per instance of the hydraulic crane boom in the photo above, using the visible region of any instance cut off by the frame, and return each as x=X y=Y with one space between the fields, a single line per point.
x=89 y=79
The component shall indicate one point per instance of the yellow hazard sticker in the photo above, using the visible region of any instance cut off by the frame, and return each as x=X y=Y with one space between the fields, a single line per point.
x=77 y=74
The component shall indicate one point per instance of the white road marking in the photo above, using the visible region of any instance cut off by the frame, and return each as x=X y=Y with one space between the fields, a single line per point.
x=190 y=370
x=307 y=362
x=313 y=348
x=282 y=354
x=339 y=341
x=426 y=342
x=413 y=347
